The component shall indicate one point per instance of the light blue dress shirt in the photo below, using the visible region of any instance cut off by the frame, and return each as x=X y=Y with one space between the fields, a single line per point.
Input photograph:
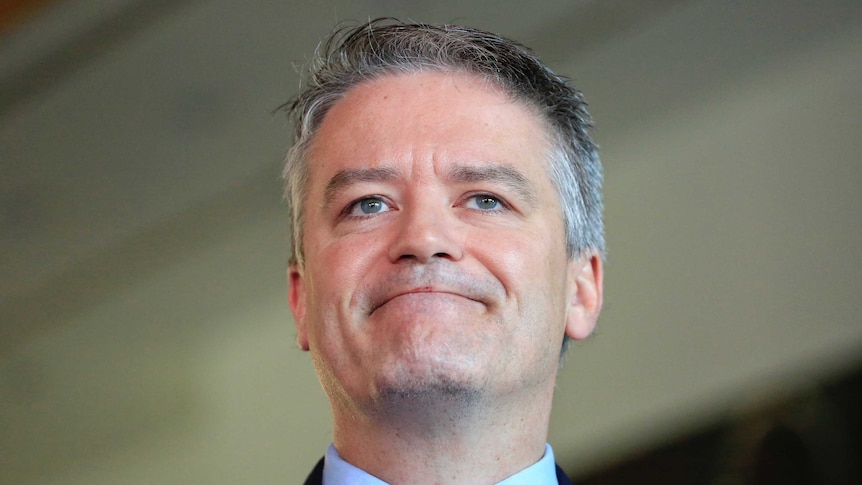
x=336 y=471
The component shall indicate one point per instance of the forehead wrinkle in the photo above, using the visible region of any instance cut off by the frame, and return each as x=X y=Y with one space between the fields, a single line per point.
x=348 y=177
x=497 y=173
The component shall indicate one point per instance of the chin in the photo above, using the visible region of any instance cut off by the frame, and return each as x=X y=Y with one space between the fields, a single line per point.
x=432 y=379
x=425 y=403
x=422 y=391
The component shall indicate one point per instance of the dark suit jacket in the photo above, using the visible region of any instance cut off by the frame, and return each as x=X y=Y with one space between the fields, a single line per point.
x=316 y=477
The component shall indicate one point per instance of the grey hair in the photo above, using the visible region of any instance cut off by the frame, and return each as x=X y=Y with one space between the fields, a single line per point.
x=354 y=55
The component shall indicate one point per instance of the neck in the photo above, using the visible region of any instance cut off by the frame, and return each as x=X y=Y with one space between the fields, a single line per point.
x=444 y=438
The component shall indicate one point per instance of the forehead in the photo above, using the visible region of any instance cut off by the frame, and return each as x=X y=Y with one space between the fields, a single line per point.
x=437 y=117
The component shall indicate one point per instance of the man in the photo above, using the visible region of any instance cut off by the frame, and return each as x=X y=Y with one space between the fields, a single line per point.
x=447 y=243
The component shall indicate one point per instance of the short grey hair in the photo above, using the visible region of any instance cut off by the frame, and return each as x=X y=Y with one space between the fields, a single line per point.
x=354 y=55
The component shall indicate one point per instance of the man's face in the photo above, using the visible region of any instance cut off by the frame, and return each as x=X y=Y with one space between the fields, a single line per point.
x=434 y=245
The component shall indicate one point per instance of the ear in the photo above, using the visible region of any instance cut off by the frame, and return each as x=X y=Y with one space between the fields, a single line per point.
x=296 y=299
x=585 y=296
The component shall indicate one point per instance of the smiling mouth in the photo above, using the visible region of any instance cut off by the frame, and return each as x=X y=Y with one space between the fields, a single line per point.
x=420 y=291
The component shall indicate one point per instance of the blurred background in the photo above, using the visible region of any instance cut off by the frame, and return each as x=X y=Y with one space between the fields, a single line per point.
x=144 y=330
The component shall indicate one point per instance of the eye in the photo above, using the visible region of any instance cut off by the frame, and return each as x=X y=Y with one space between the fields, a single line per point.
x=485 y=202
x=367 y=206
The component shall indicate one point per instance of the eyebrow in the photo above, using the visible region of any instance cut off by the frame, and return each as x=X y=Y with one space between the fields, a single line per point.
x=507 y=176
x=345 y=178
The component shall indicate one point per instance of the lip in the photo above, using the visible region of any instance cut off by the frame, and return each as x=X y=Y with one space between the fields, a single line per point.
x=419 y=290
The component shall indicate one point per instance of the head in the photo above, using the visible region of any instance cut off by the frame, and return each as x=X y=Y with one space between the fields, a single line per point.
x=353 y=56
x=445 y=202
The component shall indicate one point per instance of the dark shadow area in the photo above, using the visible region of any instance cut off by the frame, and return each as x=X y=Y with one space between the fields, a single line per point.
x=812 y=437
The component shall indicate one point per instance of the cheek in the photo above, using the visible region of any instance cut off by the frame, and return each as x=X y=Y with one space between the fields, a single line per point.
x=341 y=256
x=522 y=259
x=533 y=269
x=353 y=258
x=340 y=267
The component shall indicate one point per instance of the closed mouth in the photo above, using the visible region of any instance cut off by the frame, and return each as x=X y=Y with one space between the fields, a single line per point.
x=418 y=291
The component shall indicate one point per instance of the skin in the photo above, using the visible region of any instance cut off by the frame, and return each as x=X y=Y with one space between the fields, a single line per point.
x=436 y=289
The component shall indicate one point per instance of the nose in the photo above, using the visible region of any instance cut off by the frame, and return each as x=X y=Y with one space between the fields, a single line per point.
x=427 y=232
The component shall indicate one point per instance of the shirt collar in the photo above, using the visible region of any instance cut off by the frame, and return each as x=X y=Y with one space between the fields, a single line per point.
x=336 y=471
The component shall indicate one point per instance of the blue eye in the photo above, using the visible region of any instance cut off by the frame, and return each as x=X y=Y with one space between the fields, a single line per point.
x=367 y=206
x=485 y=202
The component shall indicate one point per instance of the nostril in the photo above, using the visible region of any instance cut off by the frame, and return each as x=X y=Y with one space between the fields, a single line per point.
x=415 y=257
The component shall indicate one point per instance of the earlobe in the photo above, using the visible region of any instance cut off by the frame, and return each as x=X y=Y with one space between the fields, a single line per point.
x=585 y=299
x=296 y=299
